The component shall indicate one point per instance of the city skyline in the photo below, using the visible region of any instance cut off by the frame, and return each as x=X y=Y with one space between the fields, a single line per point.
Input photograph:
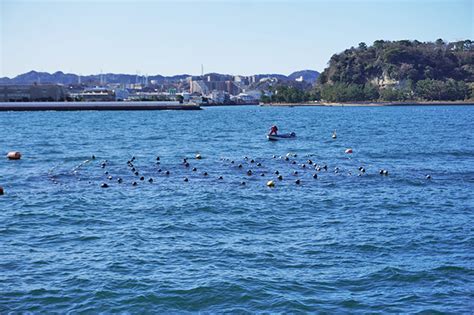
x=236 y=37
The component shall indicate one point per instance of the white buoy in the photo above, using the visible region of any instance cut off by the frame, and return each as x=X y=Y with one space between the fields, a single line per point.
x=334 y=136
x=14 y=155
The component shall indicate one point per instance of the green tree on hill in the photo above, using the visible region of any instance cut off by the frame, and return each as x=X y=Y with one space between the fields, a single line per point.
x=289 y=94
x=450 y=90
x=400 y=70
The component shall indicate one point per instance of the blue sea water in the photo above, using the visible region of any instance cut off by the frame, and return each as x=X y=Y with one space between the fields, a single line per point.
x=341 y=243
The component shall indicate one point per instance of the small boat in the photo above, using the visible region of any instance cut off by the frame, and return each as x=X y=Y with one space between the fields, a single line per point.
x=281 y=136
x=334 y=136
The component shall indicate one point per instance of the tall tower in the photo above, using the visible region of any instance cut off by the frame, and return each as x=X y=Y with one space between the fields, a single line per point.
x=137 y=77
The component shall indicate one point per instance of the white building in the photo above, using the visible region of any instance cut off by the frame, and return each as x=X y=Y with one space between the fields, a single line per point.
x=198 y=87
x=248 y=98
x=218 y=96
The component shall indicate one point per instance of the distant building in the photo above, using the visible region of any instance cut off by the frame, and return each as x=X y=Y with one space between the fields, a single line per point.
x=218 y=97
x=215 y=82
x=214 y=77
x=241 y=80
x=244 y=98
x=32 y=93
x=254 y=94
x=217 y=85
x=232 y=88
x=198 y=87
x=172 y=91
x=186 y=96
x=121 y=94
x=134 y=86
x=97 y=94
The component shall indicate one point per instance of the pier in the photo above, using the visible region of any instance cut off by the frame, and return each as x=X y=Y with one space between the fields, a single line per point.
x=76 y=106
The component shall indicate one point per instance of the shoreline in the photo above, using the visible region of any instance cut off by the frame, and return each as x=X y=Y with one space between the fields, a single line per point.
x=374 y=104
x=84 y=106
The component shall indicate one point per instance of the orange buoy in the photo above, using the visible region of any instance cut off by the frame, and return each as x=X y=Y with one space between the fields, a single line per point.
x=14 y=155
x=348 y=151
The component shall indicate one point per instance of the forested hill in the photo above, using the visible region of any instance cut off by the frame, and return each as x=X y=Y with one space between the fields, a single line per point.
x=400 y=70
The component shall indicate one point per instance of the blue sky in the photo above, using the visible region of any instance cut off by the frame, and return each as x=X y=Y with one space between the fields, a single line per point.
x=235 y=37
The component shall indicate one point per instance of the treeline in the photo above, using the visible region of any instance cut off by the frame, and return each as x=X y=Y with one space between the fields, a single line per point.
x=400 y=71
x=428 y=89
x=288 y=94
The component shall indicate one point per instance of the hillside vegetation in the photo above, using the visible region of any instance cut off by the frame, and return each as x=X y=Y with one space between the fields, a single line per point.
x=399 y=71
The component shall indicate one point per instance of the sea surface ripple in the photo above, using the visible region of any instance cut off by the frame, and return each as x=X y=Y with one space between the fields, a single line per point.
x=341 y=243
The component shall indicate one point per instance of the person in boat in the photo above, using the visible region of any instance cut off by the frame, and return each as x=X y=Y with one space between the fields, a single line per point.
x=273 y=130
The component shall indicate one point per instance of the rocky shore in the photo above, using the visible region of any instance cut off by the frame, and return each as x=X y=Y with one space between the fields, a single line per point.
x=369 y=104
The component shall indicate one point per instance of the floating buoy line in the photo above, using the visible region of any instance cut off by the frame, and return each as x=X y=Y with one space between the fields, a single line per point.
x=246 y=171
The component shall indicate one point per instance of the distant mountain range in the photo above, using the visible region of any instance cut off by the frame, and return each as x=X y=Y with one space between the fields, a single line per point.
x=60 y=77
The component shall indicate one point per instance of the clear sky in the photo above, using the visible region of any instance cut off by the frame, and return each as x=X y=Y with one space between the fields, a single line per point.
x=235 y=37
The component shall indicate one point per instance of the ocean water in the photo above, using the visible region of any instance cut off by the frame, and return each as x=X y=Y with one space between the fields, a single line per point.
x=346 y=242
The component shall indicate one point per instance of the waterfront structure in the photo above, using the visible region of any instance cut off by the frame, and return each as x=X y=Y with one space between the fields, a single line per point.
x=244 y=98
x=121 y=94
x=254 y=94
x=67 y=106
x=97 y=94
x=186 y=96
x=32 y=93
x=218 y=97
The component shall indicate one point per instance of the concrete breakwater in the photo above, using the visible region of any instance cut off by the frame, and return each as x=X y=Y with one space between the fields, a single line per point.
x=74 y=106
